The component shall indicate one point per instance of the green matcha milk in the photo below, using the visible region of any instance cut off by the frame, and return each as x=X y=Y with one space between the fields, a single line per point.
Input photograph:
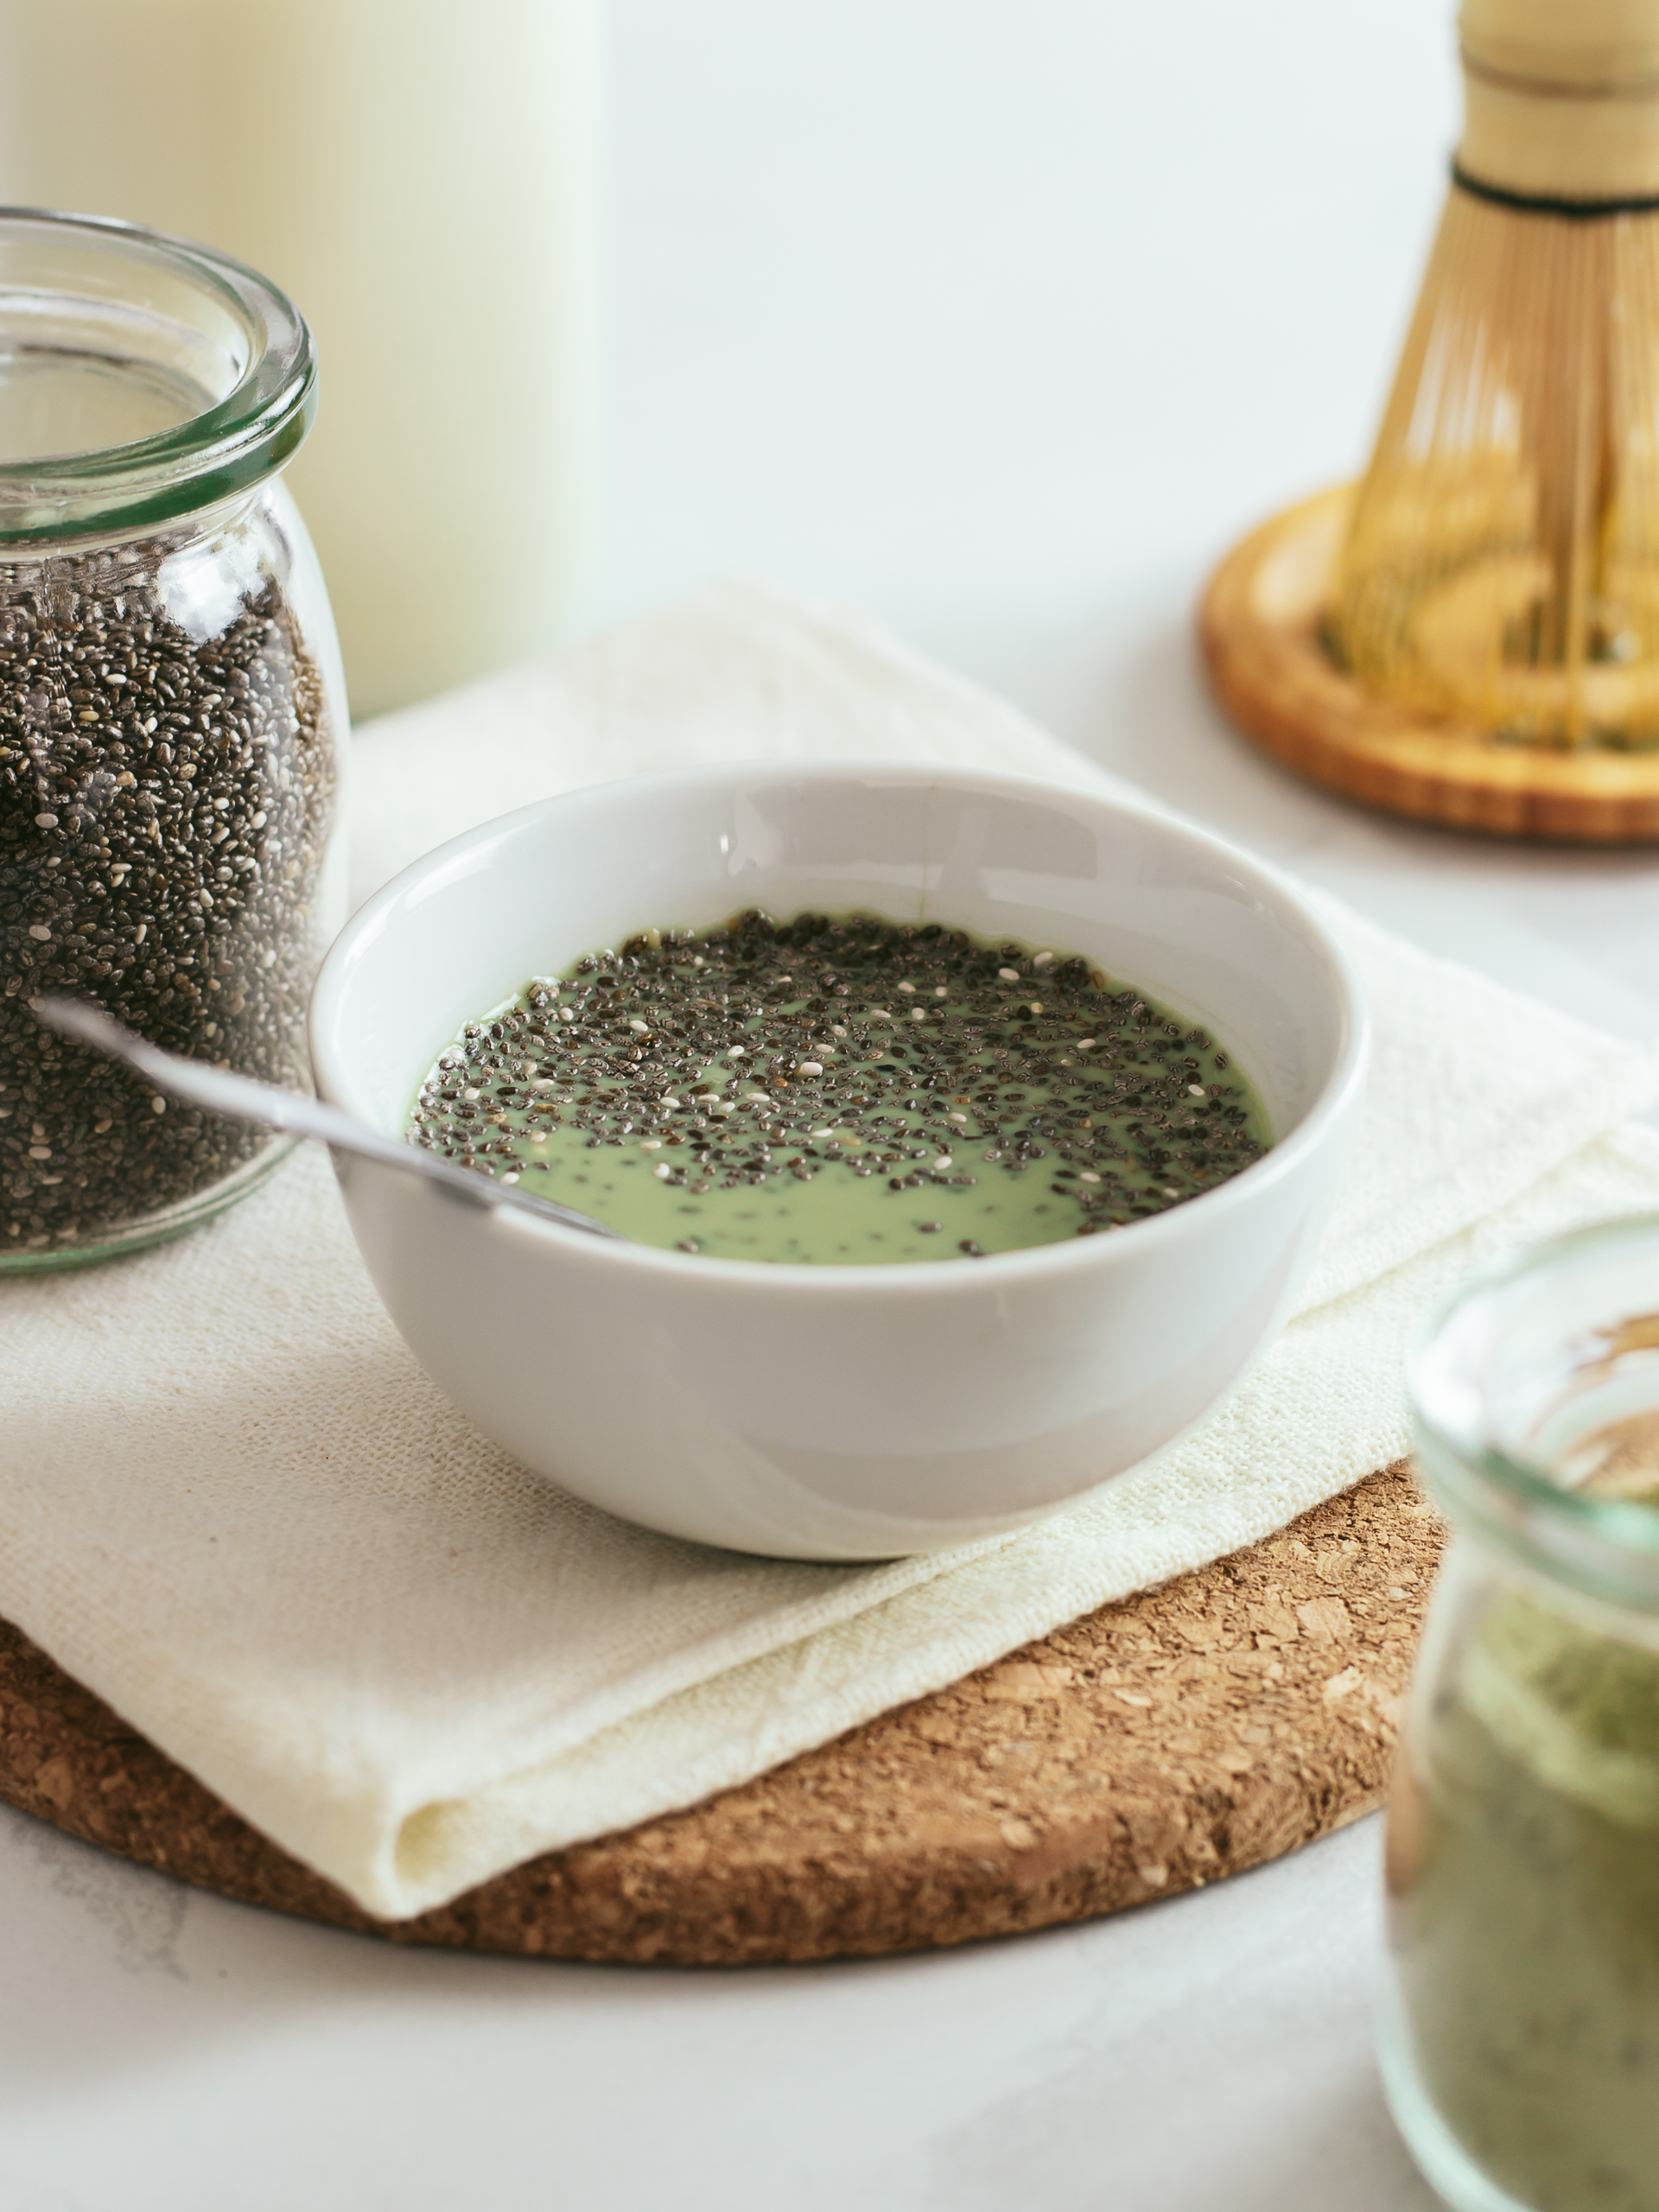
x=841 y=1091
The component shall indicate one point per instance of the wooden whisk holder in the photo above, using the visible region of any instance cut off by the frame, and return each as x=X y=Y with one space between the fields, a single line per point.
x=1469 y=635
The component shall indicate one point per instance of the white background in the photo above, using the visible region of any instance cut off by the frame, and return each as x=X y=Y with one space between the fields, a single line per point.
x=996 y=321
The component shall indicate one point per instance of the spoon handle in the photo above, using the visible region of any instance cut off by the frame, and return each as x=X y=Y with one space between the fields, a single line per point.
x=241 y=1099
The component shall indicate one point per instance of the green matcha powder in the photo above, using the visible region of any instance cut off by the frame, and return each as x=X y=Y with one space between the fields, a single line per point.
x=1527 y=1909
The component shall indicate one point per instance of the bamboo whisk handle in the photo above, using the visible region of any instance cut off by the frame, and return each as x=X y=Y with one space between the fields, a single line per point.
x=1562 y=98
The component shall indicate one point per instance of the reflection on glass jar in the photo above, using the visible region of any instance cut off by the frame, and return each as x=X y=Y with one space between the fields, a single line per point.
x=170 y=715
x=1520 y=2040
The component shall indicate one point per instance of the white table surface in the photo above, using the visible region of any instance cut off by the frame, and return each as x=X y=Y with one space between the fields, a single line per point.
x=995 y=320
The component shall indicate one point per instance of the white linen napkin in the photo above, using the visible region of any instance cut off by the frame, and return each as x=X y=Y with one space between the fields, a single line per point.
x=233 y=1505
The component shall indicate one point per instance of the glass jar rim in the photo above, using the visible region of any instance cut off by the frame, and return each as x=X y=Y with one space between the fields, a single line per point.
x=244 y=436
x=1605 y=1547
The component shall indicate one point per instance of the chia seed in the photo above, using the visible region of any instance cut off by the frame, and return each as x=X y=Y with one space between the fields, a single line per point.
x=663 y=1022
x=165 y=804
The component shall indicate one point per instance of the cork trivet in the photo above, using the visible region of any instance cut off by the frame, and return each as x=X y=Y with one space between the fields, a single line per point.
x=1151 y=1747
x=1259 y=631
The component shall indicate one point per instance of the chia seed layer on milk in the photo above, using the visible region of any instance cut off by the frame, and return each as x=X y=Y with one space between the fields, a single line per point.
x=948 y=1097
x=164 y=807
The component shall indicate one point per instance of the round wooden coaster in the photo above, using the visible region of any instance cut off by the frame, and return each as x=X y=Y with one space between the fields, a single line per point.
x=1160 y=1743
x=1258 y=629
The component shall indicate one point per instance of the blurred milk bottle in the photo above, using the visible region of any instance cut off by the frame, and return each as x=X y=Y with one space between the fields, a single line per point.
x=421 y=177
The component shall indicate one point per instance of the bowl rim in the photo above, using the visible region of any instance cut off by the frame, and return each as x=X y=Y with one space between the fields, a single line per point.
x=1346 y=1077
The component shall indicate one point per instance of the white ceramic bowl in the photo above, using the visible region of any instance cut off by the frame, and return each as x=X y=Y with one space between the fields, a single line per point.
x=841 y=1413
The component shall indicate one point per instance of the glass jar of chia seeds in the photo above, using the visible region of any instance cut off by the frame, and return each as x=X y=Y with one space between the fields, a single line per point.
x=1521 y=2036
x=171 y=712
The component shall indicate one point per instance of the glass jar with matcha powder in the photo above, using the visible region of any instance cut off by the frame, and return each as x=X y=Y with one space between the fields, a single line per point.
x=1521 y=2034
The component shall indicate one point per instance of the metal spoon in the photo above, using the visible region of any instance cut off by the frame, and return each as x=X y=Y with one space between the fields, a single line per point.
x=242 y=1099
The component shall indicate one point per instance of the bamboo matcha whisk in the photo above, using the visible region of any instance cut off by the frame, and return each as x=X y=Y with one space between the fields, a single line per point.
x=1501 y=567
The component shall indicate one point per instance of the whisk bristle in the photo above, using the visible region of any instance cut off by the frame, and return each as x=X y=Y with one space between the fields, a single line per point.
x=1501 y=566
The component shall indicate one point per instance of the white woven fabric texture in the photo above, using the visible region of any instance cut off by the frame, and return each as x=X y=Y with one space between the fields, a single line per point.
x=231 y=1503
